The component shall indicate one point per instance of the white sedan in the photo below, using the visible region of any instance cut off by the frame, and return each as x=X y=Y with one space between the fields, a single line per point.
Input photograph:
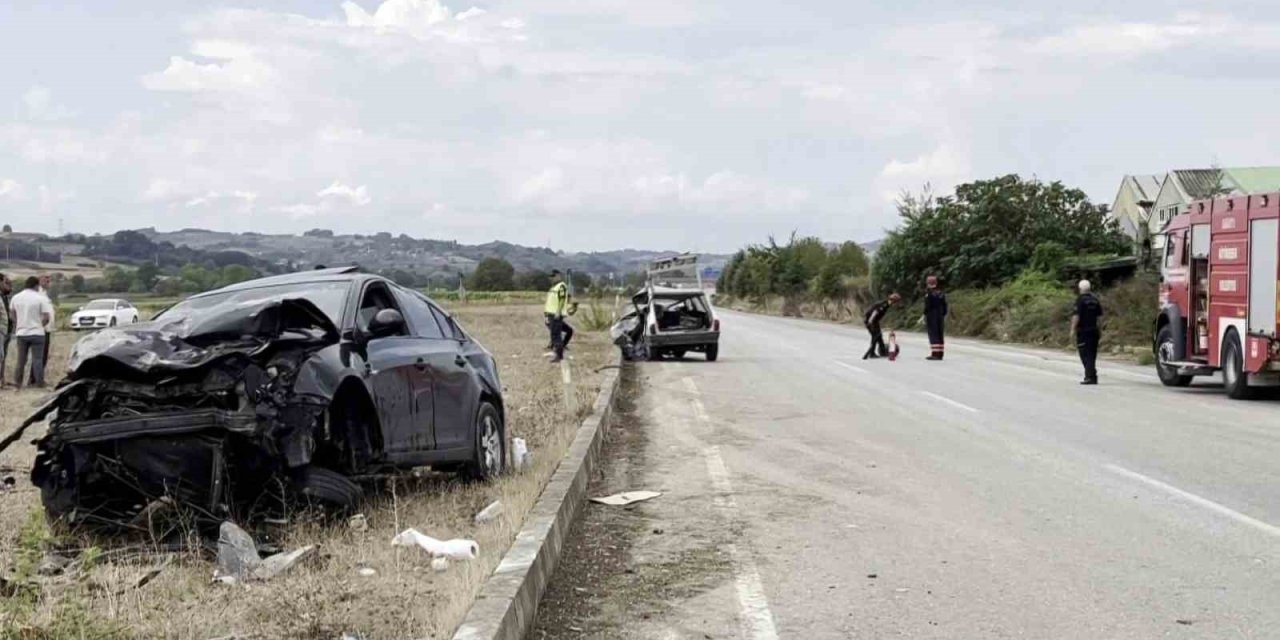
x=104 y=313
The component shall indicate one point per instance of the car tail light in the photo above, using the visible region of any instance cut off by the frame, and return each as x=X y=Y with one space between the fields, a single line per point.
x=715 y=324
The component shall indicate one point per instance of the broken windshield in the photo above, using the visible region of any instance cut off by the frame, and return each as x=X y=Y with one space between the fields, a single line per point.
x=329 y=297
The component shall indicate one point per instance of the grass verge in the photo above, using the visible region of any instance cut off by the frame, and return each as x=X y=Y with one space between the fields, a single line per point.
x=327 y=595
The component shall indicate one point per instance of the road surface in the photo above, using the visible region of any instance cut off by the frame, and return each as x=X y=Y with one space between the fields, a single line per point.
x=809 y=494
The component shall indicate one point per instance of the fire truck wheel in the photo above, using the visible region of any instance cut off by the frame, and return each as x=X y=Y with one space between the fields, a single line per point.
x=1233 y=375
x=1164 y=353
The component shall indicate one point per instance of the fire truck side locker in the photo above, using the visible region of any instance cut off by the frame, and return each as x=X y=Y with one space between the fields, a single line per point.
x=1264 y=287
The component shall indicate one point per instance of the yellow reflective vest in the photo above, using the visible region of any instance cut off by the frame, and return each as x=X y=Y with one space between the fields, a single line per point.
x=557 y=299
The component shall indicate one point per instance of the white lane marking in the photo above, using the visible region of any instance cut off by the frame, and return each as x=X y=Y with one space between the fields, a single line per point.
x=1197 y=500
x=950 y=402
x=851 y=367
x=753 y=605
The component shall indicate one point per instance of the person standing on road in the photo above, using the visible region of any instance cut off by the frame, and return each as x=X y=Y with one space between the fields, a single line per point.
x=558 y=305
x=935 y=314
x=32 y=313
x=1084 y=326
x=872 y=322
x=6 y=325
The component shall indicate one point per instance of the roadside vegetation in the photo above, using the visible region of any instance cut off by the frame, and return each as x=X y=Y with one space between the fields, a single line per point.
x=105 y=592
x=1007 y=251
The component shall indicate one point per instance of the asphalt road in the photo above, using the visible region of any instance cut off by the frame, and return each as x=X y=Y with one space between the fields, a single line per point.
x=809 y=494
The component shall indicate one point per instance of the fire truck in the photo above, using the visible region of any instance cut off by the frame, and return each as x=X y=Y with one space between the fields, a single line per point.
x=1219 y=304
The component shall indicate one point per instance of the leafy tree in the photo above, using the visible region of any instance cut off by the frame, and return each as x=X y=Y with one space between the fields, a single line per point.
x=986 y=234
x=234 y=273
x=194 y=278
x=116 y=279
x=77 y=283
x=8 y=229
x=493 y=274
x=169 y=287
x=146 y=276
x=533 y=281
x=849 y=260
x=581 y=281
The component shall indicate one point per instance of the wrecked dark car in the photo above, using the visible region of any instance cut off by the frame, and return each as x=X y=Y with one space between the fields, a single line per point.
x=666 y=321
x=294 y=385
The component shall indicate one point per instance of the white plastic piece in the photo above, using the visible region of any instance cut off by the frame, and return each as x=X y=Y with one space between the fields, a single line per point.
x=626 y=498
x=456 y=549
x=521 y=457
x=440 y=565
x=489 y=513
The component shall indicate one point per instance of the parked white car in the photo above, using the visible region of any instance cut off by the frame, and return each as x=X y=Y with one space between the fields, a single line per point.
x=104 y=313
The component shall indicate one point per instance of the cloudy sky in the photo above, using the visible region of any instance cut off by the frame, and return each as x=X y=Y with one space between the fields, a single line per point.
x=596 y=124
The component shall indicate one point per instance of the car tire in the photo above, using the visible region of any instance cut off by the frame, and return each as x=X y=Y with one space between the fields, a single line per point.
x=113 y=322
x=327 y=489
x=713 y=352
x=1169 y=376
x=678 y=354
x=135 y=320
x=489 y=459
x=1234 y=378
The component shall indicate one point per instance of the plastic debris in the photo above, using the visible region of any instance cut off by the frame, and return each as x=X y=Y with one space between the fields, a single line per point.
x=456 y=549
x=521 y=457
x=440 y=565
x=367 y=572
x=238 y=558
x=489 y=513
x=626 y=498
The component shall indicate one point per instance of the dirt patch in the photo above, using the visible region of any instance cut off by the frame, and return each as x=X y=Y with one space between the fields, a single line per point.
x=331 y=593
x=600 y=585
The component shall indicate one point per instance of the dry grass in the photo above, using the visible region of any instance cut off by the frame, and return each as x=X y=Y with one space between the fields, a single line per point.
x=326 y=596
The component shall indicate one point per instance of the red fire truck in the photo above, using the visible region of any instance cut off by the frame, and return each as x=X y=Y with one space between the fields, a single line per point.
x=1219 y=304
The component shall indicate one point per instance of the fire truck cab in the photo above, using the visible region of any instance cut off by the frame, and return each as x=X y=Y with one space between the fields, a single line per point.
x=1219 y=305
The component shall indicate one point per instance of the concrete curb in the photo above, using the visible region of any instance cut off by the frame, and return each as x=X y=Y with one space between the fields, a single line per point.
x=508 y=601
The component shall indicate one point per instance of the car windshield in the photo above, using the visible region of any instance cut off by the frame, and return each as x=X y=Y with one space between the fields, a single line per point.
x=329 y=297
x=100 y=305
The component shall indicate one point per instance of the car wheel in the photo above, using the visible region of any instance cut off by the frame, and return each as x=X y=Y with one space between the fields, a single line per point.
x=678 y=354
x=113 y=321
x=327 y=489
x=1164 y=353
x=490 y=457
x=135 y=320
x=713 y=352
x=1233 y=376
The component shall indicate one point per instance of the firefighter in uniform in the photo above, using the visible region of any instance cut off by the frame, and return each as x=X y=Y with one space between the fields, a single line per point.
x=558 y=306
x=1084 y=326
x=935 y=314
x=872 y=322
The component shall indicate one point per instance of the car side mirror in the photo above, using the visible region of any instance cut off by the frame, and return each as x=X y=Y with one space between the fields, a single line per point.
x=386 y=322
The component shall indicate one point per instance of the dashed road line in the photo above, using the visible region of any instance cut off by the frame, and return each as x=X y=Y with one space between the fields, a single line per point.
x=851 y=367
x=1197 y=500
x=753 y=605
x=949 y=401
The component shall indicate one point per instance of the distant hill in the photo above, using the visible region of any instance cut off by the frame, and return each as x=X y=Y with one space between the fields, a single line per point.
x=384 y=252
x=871 y=247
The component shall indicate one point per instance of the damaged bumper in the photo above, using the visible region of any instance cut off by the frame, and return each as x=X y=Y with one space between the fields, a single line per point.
x=153 y=425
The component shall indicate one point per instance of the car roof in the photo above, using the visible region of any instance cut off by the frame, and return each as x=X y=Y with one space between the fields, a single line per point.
x=335 y=274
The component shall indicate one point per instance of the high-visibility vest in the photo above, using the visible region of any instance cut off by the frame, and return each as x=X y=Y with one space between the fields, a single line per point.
x=557 y=298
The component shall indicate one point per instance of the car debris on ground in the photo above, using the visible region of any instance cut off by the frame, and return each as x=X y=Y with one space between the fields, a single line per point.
x=456 y=549
x=626 y=498
x=521 y=457
x=239 y=561
x=489 y=513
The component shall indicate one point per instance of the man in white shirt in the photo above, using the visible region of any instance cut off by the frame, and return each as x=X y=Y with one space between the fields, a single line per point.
x=45 y=283
x=33 y=313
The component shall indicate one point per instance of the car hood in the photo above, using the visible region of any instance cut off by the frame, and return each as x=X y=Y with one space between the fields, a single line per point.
x=188 y=342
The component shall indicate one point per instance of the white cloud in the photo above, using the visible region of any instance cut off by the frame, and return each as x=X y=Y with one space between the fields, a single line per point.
x=1136 y=38
x=234 y=74
x=40 y=105
x=942 y=169
x=358 y=196
x=160 y=189
x=300 y=210
x=50 y=198
x=11 y=189
x=473 y=12
x=409 y=15
x=244 y=199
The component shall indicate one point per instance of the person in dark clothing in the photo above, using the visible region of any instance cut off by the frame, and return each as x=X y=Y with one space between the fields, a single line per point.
x=872 y=322
x=935 y=314
x=1085 y=328
x=6 y=324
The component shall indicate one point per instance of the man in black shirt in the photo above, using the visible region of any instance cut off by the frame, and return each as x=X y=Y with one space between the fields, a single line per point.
x=935 y=317
x=872 y=321
x=1084 y=326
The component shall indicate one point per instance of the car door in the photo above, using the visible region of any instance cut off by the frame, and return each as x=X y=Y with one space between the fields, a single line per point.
x=433 y=351
x=457 y=392
x=391 y=370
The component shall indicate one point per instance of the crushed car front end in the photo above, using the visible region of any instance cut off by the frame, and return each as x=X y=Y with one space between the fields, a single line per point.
x=208 y=415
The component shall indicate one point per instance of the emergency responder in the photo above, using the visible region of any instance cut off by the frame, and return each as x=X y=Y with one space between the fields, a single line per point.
x=1085 y=328
x=935 y=314
x=558 y=306
x=872 y=322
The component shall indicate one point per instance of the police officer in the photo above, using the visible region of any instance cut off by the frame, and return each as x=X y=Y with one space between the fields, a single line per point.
x=1084 y=326
x=558 y=306
x=935 y=314
x=872 y=322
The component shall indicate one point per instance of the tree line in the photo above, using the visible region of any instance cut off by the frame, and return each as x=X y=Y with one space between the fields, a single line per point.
x=802 y=270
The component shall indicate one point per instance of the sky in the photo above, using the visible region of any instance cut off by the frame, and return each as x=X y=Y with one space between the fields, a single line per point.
x=602 y=124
